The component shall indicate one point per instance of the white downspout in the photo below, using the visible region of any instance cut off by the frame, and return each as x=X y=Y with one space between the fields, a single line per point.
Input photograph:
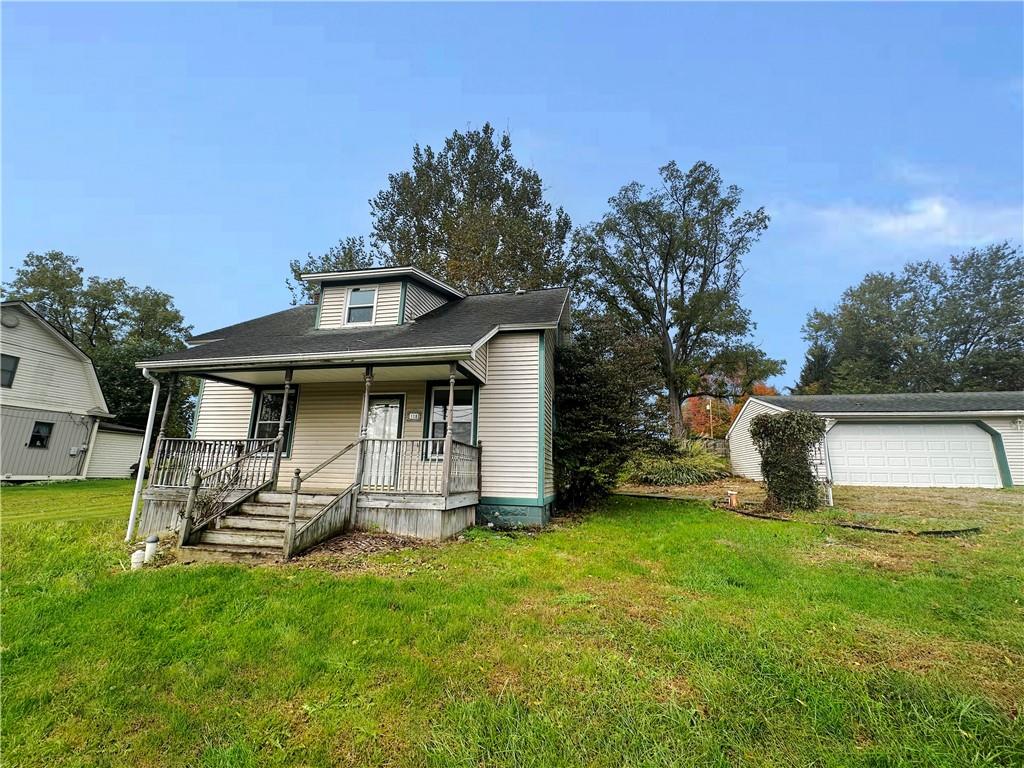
x=143 y=454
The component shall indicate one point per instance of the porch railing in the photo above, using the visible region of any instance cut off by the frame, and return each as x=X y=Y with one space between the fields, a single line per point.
x=177 y=459
x=416 y=466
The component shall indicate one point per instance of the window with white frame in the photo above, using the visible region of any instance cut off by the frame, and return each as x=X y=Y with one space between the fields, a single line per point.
x=268 y=413
x=362 y=302
x=462 y=417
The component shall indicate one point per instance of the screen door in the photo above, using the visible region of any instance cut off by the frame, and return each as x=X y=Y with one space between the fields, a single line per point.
x=382 y=427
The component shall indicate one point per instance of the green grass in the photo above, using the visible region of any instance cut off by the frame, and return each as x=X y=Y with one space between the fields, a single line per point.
x=53 y=502
x=650 y=633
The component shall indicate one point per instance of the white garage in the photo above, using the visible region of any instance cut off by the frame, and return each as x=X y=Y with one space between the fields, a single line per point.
x=115 y=449
x=913 y=455
x=935 y=439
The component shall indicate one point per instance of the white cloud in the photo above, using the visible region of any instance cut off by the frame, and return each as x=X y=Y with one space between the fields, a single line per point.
x=924 y=221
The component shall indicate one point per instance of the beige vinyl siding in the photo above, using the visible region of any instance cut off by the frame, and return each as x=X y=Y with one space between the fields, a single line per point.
x=550 y=338
x=332 y=309
x=743 y=454
x=1013 y=443
x=420 y=300
x=478 y=365
x=50 y=375
x=327 y=420
x=224 y=412
x=332 y=306
x=508 y=412
x=113 y=454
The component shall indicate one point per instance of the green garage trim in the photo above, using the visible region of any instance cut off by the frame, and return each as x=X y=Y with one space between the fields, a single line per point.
x=540 y=417
x=401 y=305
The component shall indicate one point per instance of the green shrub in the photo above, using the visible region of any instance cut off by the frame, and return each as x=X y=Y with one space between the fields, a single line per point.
x=786 y=441
x=687 y=463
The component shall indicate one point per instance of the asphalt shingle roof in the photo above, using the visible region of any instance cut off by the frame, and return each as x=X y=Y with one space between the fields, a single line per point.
x=925 y=402
x=460 y=322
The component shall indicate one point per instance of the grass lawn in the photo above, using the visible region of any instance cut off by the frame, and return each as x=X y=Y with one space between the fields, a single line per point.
x=56 y=502
x=648 y=633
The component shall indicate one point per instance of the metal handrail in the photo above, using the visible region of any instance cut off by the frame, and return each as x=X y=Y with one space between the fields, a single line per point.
x=335 y=457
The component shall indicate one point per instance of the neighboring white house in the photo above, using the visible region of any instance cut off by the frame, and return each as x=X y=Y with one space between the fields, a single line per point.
x=938 y=439
x=51 y=406
x=368 y=373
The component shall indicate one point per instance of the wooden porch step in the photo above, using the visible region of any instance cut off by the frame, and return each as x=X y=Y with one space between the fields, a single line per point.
x=228 y=553
x=277 y=523
x=313 y=499
x=274 y=509
x=249 y=537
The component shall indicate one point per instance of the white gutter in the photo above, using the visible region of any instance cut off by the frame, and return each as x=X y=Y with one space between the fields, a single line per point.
x=405 y=355
x=143 y=454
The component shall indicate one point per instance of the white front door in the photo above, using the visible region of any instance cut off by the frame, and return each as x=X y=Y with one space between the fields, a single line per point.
x=383 y=420
x=919 y=455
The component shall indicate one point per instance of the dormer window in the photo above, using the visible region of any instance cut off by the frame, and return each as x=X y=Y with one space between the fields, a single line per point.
x=361 y=305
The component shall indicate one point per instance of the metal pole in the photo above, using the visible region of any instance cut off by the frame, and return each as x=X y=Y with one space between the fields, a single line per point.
x=279 y=447
x=143 y=454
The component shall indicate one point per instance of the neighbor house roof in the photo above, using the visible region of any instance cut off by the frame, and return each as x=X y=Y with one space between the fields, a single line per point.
x=453 y=329
x=31 y=311
x=925 y=402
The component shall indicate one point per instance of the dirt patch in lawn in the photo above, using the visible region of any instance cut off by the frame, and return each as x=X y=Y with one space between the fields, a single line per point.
x=351 y=551
x=748 y=490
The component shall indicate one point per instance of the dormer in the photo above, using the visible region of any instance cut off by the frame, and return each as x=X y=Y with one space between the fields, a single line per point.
x=377 y=296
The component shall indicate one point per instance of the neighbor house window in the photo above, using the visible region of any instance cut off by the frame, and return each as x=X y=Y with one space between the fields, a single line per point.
x=10 y=367
x=41 y=432
x=462 y=417
x=268 y=413
x=359 y=309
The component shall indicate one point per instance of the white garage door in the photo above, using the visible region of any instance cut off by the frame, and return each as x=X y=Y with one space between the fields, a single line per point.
x=918 y=455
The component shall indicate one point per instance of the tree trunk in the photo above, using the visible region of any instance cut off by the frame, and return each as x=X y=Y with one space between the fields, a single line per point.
x=675 y=416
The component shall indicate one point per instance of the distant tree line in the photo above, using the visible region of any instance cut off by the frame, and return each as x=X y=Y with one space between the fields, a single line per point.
x=951 y=327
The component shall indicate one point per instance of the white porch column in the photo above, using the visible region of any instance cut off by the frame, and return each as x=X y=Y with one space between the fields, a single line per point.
x=279 y=447
x=449 y=420
x=364 y=418
x=143 y=454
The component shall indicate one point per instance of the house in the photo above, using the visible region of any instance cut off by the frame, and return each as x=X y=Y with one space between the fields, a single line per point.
x=54 y=424
x=395 y=402
x=937 y=439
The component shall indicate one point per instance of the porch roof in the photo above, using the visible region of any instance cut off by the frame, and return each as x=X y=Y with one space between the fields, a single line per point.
x=450 y=332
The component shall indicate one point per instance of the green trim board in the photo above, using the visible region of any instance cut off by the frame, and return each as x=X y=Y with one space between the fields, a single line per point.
x=503 y=512
x=998 y=448
x=319 y=308
x=541 y=361
x=401 y=304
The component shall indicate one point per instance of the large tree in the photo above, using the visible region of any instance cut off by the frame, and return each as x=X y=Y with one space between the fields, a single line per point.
x=349 y=253
x=604 y=399
x=471 y=214
x=114 y=323
x=954 y=326
x=666 y=263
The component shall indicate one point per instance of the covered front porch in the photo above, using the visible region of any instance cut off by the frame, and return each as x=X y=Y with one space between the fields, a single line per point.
x=379 y=447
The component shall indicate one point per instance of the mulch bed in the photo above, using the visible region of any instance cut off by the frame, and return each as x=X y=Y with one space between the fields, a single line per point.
x=360 y=543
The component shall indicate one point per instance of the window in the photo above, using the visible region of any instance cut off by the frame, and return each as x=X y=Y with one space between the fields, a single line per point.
x=360 y=307
x=462 y=416
x=41 y=432
x=268 y=412
x=10 y=367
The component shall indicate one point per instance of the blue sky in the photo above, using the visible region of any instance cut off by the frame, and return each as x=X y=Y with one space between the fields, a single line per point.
x=197 y=148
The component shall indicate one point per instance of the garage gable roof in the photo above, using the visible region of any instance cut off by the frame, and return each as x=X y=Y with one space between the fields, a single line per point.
x=924 y=402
